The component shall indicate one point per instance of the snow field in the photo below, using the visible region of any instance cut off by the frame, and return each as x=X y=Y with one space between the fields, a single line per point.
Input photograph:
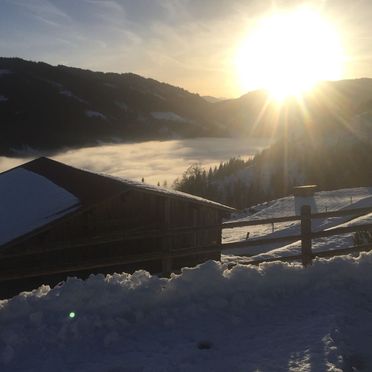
x=277 y=317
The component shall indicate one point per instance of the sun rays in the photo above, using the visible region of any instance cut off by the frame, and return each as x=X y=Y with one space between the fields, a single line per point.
x=288 y=53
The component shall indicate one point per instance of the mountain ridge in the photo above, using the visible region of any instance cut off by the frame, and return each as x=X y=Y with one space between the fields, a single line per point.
x=50 y=108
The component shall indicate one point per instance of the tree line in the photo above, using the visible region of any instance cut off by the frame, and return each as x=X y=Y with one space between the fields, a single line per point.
x=274 y=172
x=220 y=183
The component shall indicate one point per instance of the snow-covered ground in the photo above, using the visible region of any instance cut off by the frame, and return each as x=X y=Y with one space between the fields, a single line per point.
x=278 y=317
x=214 y=317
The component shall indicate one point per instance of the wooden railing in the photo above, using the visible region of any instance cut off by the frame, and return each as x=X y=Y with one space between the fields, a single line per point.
x=306 y=235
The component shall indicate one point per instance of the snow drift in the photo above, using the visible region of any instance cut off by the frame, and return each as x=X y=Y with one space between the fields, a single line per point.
x=210 y=318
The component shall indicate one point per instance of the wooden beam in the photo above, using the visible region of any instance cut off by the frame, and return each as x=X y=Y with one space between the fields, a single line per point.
x=166 y=243
x=255 y=242
x=103 y=262
x=343 y=212
x=264 y=221
x=344 y=251
x=341 y=230
x=306 y=235
x=338 y=213
x=297 y=257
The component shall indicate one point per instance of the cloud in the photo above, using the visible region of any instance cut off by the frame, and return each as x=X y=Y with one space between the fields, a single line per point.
x=169 y=40
x=156 y=161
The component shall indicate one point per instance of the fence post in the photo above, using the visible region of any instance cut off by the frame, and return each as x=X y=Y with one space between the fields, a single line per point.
x=307 y=255
x=166 y=261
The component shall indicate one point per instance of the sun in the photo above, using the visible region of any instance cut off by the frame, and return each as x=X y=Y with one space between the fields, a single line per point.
x=288 y=53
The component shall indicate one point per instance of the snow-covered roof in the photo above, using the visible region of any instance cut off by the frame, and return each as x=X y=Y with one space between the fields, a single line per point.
x=92 y=187
x=43 y=190
x=29 y=201
x=170 y=193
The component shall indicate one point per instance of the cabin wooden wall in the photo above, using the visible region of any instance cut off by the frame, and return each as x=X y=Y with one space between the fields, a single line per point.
x=125 y=214
x=131 y=213
x=134 y=212
x=194 y=215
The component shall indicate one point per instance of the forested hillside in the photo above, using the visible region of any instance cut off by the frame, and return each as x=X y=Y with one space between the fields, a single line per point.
x=338 y=161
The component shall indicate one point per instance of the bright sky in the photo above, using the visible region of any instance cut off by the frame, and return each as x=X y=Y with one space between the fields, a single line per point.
x=188 y=43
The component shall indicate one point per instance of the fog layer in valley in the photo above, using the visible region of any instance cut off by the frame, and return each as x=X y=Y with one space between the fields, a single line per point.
x=156 y=161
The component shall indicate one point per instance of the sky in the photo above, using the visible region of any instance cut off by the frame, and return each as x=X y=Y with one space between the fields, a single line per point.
x=187 y=43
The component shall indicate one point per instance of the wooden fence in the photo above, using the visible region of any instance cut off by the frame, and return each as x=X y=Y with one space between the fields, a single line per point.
x=306 y=235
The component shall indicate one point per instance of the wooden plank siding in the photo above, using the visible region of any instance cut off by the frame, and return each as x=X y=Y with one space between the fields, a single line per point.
x=78 y=242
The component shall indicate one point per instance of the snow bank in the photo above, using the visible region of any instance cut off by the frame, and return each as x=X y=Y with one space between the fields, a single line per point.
x=28 y=201
x=277 y=317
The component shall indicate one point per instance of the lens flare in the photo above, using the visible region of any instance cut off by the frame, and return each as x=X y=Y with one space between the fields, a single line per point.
x=72 y=315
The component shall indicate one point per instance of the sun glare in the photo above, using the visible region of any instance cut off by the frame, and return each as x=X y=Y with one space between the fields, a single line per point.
x=288 y=53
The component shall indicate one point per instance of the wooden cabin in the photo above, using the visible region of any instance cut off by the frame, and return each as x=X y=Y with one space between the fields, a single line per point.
x=58 y=221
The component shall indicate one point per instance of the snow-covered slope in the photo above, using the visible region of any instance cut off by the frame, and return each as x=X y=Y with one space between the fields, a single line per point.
x=278 y=317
